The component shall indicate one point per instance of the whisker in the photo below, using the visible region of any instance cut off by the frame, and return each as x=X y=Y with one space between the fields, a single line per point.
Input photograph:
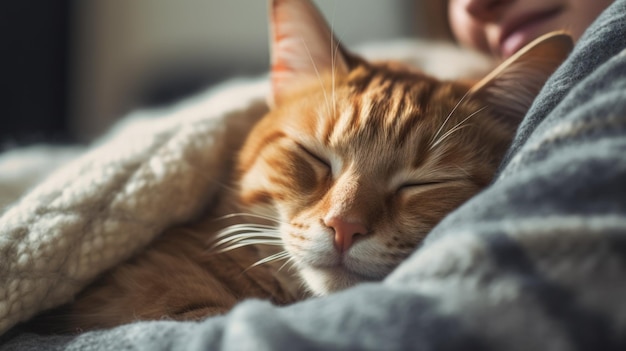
x=244 y=236
x=239 y=228
x=446 y=135
x=239 y=235
x=333 y=57
x=334 y=61
x=447 y=118
x=248 y=243
x=457 y=127
x=275 y=257
x=319 y=77
x=291 y=260
x=244 y=214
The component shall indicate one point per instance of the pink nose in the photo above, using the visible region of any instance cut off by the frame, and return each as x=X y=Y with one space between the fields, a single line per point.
x=345 y=231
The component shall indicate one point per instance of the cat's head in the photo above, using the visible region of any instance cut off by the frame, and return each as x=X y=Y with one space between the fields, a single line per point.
x=360 y=160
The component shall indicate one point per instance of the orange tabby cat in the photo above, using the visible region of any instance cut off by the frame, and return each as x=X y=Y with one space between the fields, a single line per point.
x=347 y=173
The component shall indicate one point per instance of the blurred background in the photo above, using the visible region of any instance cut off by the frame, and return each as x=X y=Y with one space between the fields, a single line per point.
x=70 y=68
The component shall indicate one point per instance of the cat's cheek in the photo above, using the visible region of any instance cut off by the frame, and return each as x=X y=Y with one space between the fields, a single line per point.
x=309 y=245
x=325 y=281
x=420 y=210
x=373 y=260
x=315 y=281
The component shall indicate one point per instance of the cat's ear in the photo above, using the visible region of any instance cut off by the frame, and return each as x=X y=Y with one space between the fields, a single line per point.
x=511 y=88
x=302 y=46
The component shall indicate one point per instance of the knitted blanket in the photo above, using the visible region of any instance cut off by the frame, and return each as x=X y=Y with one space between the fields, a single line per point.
x=147 y=174
x=537 y=261
x=154 y=169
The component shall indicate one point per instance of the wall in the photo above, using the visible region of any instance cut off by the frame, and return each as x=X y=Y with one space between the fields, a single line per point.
x=131 y=53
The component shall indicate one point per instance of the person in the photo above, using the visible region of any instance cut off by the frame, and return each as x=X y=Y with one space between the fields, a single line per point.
x=502 y=27
x=537 y=261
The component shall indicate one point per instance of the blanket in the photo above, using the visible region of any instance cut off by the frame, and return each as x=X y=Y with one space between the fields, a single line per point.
x=537 y=261
x=83 y=211
x=147 y=174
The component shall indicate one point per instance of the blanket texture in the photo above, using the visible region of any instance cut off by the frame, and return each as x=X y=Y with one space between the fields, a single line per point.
x=149 y=173
x=153 y=170
x=535 y=262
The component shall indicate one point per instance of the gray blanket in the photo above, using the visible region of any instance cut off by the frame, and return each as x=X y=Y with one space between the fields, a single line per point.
x=535 y=262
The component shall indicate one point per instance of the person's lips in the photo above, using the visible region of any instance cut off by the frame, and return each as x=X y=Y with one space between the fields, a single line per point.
x=523 y=29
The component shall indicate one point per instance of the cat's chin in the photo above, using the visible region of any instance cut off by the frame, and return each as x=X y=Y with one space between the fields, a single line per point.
x=323 y=281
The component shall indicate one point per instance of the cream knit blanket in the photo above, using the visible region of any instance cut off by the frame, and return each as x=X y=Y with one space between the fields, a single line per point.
x=154 y=169
x=97 y=210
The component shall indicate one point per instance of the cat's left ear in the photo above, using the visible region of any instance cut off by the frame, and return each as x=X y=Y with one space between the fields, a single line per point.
x=302 y=46
x=511 y=88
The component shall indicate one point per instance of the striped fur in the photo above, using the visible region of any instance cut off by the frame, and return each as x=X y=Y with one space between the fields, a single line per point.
x=379 y=155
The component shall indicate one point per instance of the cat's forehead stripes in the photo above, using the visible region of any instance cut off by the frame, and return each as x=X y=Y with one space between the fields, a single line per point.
x=377 y=105
x=335 y=129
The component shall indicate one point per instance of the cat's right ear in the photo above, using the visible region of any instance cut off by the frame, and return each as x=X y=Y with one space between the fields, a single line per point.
x=511 y=88
x=302 y=46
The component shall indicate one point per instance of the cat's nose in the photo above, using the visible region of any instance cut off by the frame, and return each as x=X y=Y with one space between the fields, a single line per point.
x=345 y=231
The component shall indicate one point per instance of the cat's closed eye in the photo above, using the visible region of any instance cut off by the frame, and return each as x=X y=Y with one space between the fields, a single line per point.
x=422 y=184
x=314 y=156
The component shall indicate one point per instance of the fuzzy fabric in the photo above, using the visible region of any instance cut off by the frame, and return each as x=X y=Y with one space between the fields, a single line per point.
x=537 y=261
x=108 y=203
x=152 y=170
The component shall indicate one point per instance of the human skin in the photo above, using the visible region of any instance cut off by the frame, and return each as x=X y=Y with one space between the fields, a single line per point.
x=501 y=27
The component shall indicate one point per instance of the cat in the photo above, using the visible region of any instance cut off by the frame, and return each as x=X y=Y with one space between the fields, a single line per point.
x=352 y=166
